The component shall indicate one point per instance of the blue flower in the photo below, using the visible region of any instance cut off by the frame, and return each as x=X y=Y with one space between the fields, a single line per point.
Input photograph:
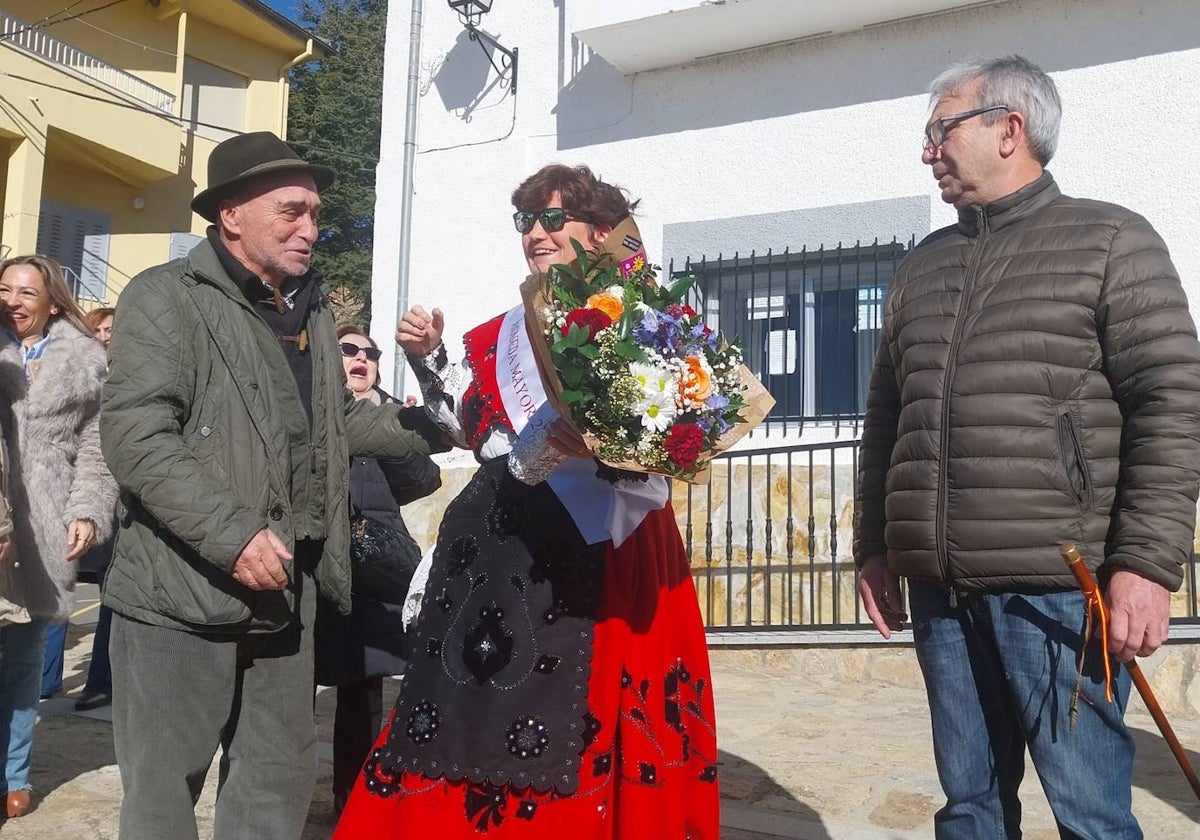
x=648 y=331
x=718 y=403
x=660 y=331
x=705 y=336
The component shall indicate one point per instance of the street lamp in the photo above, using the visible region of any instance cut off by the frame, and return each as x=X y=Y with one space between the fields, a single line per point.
x=470 y=12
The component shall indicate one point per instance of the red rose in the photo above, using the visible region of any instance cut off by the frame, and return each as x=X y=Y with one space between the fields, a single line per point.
x=592 y=320
x=683 y=444
x=688 y=311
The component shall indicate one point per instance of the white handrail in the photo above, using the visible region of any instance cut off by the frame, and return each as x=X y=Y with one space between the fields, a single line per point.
x=21 y=36
x=79 y=291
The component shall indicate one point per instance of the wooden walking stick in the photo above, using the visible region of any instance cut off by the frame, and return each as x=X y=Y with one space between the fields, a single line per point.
x=1095 y=602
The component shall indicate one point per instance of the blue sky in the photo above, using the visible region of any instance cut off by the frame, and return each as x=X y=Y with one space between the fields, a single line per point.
x=291 y=8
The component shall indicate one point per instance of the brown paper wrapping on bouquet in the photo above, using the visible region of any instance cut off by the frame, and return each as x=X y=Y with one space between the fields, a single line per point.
x=624 y=247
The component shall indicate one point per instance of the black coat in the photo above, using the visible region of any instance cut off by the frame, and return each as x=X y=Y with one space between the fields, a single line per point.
x=370 y=641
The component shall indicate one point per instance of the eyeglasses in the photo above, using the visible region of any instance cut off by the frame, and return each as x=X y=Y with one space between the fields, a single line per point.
x=350 y=350
x=935 y=132
x=552 y=219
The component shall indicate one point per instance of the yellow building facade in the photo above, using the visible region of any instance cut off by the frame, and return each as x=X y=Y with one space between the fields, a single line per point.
x=107 y=121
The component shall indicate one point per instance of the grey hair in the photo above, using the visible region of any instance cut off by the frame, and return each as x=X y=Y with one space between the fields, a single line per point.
x=1014 y=81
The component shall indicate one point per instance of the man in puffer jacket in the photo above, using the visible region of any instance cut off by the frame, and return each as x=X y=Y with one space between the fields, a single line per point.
x=1037 y=381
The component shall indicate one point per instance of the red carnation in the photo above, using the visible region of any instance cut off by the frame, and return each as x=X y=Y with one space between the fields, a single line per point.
x=683 y=444
x=688 y=311
x=592 y=320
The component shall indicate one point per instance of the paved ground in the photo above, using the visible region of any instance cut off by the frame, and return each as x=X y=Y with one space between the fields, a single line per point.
x=808 y=751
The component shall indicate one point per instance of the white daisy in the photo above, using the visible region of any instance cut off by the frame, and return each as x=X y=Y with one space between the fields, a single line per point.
x=657 y=410
x=650 y=378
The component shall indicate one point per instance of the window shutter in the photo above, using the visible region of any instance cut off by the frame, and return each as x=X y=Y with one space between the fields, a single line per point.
x=182 y=244
x=78 y=238
x=93 y=274
x=50 y=231
x=213 y=97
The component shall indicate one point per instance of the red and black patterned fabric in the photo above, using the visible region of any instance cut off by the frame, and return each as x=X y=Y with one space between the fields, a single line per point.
x=648 y=767
x=482 y=408
x=556 y=689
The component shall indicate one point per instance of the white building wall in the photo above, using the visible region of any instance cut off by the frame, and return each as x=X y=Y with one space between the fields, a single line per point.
x=823 y=123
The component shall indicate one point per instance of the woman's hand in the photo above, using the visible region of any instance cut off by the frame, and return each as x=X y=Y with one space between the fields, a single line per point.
x=80 y=535
x=563 y=438
x=418 y=332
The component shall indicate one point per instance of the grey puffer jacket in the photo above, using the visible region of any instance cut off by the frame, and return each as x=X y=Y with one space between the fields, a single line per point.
x=1037 y=380
x=194 y=429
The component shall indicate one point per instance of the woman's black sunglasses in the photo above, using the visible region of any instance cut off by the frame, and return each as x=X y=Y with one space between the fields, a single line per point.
x=350 y=350
x=552 y=219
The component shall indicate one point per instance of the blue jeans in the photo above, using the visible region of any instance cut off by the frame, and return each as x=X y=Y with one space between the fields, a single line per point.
x=1000 y=669
x=54 y=658
x=21 y=647
x=99 y=676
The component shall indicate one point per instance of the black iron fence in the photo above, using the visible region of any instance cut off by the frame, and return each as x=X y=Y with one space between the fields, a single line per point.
x=770 y=541
x=808 y=321
x=770 y=535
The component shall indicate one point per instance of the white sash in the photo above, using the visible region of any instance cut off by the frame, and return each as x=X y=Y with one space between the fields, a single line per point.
x=521 y=388
x=601 y=511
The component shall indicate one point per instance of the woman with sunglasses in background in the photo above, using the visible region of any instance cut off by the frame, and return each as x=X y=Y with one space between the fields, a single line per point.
x=558 y=684
x=357 y=651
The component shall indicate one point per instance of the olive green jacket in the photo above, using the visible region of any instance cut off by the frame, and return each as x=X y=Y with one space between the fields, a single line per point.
x=192 y=428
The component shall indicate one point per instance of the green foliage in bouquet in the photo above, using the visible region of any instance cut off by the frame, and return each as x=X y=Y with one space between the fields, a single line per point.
x=640 y=371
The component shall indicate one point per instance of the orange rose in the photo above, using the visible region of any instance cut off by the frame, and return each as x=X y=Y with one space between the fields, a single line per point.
x=610 y=305
x=696 y=383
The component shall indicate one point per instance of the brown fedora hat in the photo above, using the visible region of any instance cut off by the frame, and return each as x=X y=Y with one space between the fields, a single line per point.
x=238 y=159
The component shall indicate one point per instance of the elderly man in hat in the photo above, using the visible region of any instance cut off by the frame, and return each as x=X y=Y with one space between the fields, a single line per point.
x=229 y=429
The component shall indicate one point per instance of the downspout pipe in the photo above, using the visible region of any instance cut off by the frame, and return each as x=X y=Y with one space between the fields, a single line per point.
x=309 y=54
x=181 y=44
x=412 y=99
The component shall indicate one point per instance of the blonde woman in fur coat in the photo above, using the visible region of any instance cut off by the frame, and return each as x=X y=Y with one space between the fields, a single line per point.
x=60 y=491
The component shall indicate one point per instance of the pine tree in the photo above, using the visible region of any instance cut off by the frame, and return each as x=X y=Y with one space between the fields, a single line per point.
x=334 y=118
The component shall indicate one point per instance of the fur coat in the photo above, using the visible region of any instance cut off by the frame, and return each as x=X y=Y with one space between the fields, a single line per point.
x=56 y=473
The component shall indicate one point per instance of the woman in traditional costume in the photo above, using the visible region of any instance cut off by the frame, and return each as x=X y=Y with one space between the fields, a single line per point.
x=558 y=684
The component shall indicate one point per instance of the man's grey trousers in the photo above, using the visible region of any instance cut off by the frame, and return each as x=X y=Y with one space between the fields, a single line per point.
x=177 y=696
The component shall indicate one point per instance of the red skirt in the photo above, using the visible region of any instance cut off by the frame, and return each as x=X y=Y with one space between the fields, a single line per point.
x=652 y=770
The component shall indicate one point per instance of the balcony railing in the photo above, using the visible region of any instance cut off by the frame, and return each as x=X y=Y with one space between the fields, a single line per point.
x=37 y=43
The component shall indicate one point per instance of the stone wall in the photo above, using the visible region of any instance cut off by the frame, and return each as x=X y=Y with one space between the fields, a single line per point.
x=821 y=586
x=807 y=581
x=780 y=543
x=754 y=555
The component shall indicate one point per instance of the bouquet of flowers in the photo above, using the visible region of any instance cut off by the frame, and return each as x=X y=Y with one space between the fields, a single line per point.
x=650 y=387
